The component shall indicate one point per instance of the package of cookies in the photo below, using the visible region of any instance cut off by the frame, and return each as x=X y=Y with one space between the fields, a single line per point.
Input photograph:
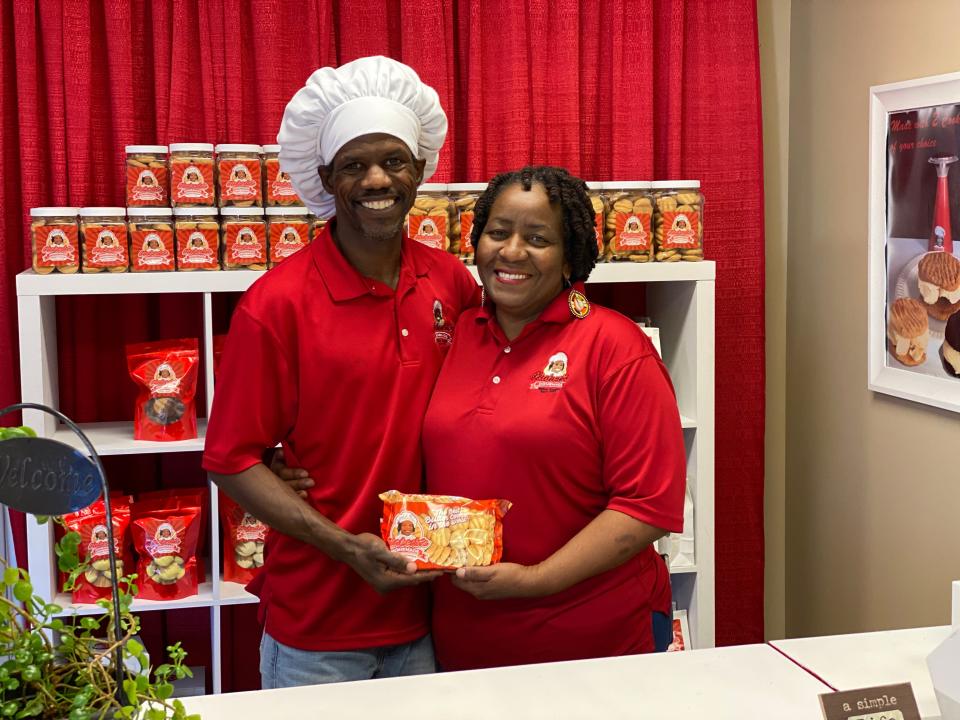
x=429 y=217
x=54 y=235
x=288 y=231
x=244 y=541
x=463 y=199
x=629 y=221
x=197 y=238
x=443 y=532
x=94 y=583
x=105 y=245
x=192 y=175
x=277 y=187
x=151 y=239
x=238 y=175
x=244 y=238
x=166 y=543
x=598 y=200
x=166 y=376
x=678 y=222
x=148 y=182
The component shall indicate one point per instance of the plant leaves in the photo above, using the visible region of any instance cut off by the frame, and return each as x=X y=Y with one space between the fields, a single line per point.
x=164 y=690
x=134 y=648
x=23 y=590
x=130 y=688
x=10 y=575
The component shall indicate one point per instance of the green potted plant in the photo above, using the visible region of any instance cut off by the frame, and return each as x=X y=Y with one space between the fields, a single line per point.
x=61 y=667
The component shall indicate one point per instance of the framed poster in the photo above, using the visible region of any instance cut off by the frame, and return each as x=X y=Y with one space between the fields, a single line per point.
x=914 y=241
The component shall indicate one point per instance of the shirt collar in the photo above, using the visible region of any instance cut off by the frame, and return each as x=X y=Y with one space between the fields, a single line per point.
x=557 y=312
x=344 y=281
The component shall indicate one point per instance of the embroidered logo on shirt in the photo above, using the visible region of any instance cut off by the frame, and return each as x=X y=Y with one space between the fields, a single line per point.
x=553 y=376
x=442 y=330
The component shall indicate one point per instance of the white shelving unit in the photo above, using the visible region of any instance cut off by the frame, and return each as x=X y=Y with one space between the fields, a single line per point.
x=680 y=299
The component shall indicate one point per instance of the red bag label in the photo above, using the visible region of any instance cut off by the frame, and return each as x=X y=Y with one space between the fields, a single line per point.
x=680 y=229
x=279 y=186
x=632 y=232
x=152 y=249
x=105 y=246
x=192 y=181
x=429 y=230
x=198 y=248
x=286 y=239
x=244 y=244
x=146 y=186
x=598 y=223
x=239 y=180
x=57 y=245
x=466 y=231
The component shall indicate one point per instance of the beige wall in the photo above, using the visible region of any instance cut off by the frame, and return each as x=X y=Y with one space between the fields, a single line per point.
x=773 y=20
x=872 y=482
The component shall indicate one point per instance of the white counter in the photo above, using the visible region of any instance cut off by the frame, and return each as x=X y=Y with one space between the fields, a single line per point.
x=880 y=658
x=726 y=683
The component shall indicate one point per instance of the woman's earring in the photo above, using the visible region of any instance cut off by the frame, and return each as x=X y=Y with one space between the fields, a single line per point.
x=566 y=283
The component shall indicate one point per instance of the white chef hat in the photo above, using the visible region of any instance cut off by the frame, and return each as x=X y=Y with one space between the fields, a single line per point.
x=369 y=95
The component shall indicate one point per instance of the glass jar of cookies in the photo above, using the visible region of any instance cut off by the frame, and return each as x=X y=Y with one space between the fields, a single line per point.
x=463 y=199
x=192 y=175
x=278 y=189
x=238 y=175
x=197 y=238
x=678 y=222
x=152 y=247
x=288 y=230
x=429 y=217
x=630 y=221
x=244 y=238
x=147 y=178
x=54 y=235
x=105 y=245
x=598 y=200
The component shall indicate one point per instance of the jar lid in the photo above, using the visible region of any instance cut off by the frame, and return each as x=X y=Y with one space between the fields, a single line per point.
x=271 y=148
x=464 y=187
x=241 y=211
x=154 y=149
x=287 y=211
x=675 y=184
x=239 y=148
x=149 y=212
x=594 y=185
x=95 y=211
x=191 y=147
x=432 y=187
x=192 y=211
x=627 y=185
x=53 y=211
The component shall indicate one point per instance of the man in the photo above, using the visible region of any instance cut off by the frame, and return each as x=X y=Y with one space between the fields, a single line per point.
x=334 y=355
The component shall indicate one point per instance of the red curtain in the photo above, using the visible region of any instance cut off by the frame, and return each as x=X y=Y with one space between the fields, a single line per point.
x=611 y=89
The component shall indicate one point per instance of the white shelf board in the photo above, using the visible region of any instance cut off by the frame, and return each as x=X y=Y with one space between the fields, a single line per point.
x=204 y=598
x=682 y=569
x=629 y=272
x=30 y=283
x=232 y=593
x=116 y=438
x=687 y=422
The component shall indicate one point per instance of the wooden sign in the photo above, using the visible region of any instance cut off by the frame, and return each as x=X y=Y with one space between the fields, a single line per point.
x=884 y=702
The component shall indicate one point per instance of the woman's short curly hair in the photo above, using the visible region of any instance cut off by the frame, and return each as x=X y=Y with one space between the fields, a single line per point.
x=579 y=234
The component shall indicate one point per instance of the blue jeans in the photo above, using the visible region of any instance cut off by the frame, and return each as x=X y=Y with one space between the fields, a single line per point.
x=283 y=666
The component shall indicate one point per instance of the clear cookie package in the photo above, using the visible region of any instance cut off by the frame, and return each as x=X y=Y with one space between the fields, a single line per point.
x=678 y=233
x=148 y=178
x=55 y=238
x=429 y=218
x=629 y=224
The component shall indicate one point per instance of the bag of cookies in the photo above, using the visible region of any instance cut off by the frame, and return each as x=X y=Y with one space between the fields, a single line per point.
x=178 y=500
x=244 y=540
x=91 y=523
x=678 y=233
x=429 y=217
x=443 y=532
x=166 y=544
x=166 y=375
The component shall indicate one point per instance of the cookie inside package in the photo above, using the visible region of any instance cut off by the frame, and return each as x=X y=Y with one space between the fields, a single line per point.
x=166 y=376
x=443 y=532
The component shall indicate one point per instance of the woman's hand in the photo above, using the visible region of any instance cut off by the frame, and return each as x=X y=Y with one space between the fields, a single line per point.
x=504 y=580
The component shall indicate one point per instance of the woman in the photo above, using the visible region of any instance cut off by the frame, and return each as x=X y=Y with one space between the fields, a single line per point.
x=566 y=410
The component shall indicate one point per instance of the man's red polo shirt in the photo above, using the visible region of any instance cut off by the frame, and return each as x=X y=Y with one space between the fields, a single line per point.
x=339 y=368
x=573 y=417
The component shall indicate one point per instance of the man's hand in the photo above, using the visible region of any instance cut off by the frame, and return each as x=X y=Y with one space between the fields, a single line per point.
x=383 y=570
x=297 y=479
x=504 y=580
